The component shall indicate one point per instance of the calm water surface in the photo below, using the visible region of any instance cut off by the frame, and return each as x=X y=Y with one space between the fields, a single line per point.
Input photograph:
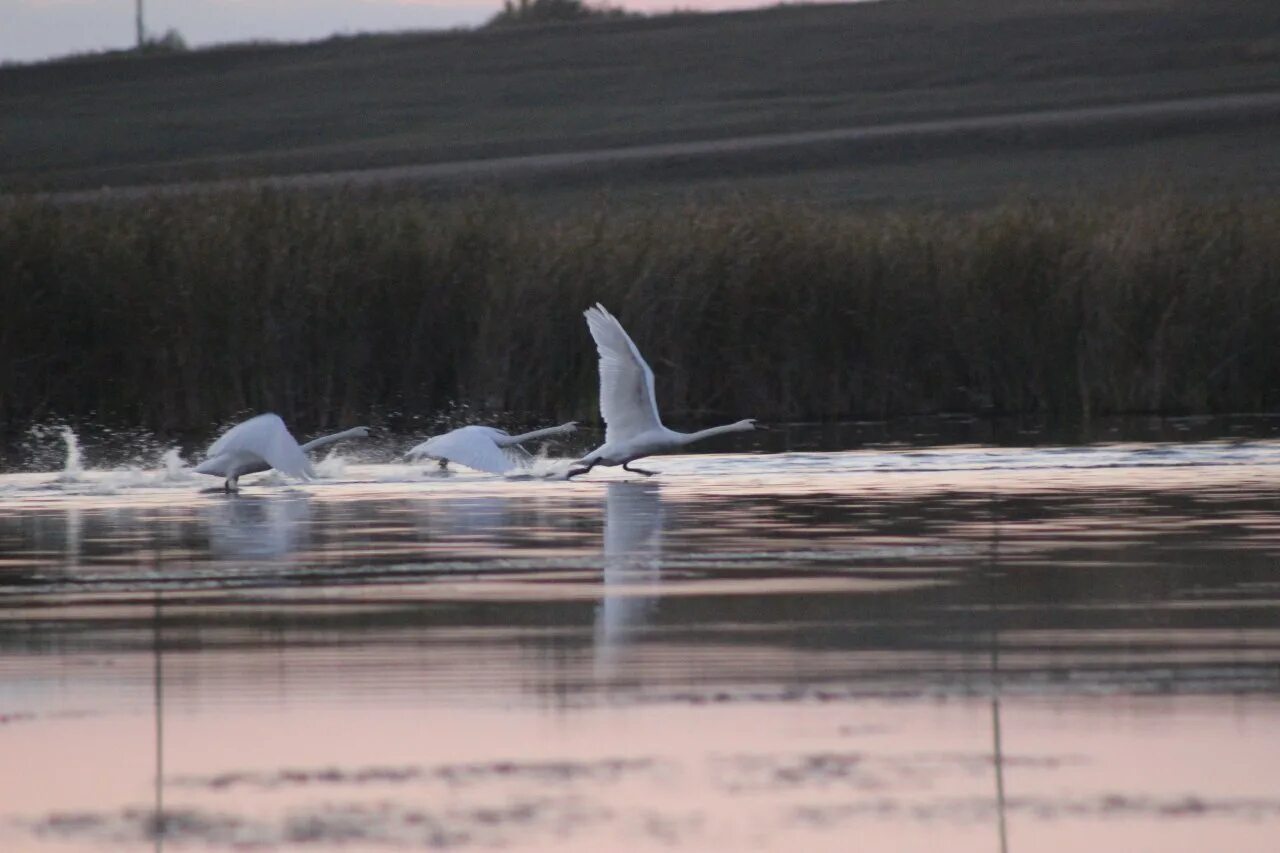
x=968 y=649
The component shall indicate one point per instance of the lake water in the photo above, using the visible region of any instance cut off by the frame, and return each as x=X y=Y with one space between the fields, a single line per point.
x=971 y=648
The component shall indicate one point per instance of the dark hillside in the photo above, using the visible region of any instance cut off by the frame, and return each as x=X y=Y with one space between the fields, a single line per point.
x=376 y=101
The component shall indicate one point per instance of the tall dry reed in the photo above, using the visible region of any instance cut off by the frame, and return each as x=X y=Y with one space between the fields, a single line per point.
x=176 y=314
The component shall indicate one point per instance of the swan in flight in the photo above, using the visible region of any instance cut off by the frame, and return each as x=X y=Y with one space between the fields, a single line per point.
x=628 y=405
x=263 y=443
x=483 y=448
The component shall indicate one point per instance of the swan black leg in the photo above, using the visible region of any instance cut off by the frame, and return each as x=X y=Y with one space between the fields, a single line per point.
x=576 y=471
x=444 y=464
x=638 y=470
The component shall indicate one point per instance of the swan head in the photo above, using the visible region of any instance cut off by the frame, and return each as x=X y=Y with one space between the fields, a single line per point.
x=746 y=425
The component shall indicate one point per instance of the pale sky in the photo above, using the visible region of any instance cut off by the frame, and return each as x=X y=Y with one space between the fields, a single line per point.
x=36 y=29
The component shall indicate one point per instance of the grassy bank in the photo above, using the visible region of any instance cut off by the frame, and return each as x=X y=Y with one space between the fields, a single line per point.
x=175 y=315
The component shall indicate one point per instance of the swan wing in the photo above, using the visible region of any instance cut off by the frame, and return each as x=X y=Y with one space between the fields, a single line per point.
x=472 y=446
x=627 y=401
x=265 y=436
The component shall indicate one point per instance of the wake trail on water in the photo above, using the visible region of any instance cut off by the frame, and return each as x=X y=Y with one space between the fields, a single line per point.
x=77 y=478
x=542 y=467
x=169 y=470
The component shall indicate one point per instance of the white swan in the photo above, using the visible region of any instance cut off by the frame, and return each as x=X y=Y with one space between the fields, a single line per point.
x=483 y=448
x=628 y=405
x=263 y=443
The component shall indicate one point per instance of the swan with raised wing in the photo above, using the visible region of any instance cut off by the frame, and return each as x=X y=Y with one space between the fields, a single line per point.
x=262 y=443
x=483 y=448
x=628 y=405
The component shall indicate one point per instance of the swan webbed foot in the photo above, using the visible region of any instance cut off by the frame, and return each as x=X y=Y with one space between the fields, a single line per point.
x=638 y=470
x=441 y=469
x=576 y=471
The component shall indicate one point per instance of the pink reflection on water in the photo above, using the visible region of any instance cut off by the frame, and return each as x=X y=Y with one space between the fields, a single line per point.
x=1120 y=773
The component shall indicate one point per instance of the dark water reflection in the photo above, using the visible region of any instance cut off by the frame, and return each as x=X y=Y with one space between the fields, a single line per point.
x=741 y=653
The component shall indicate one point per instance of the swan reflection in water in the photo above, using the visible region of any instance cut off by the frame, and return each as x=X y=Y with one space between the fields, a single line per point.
x=633 y=528
x=258 y=526
x=480 y=517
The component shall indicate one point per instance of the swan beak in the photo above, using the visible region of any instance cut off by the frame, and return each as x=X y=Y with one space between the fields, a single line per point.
x=764 y=427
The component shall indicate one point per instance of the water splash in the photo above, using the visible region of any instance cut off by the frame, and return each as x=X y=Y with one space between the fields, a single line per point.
x=175 y=467
x=332 y=467
x=542 y=467
x=72 y=468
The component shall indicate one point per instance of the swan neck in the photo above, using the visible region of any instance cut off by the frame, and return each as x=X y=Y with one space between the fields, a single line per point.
x=538 y=433
x=691 y=437
x=330 y=439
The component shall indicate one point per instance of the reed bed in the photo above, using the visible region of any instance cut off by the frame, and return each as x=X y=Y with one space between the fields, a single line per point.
x=176 y=314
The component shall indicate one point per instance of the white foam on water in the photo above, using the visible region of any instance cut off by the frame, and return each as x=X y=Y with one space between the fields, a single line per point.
x=170 y=472
x=542 y=467
x=272 y=478
x=332 y=467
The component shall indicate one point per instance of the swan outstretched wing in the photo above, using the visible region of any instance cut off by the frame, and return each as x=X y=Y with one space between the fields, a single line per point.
x=265 y=436
x=627 y=401
x=473 y=446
